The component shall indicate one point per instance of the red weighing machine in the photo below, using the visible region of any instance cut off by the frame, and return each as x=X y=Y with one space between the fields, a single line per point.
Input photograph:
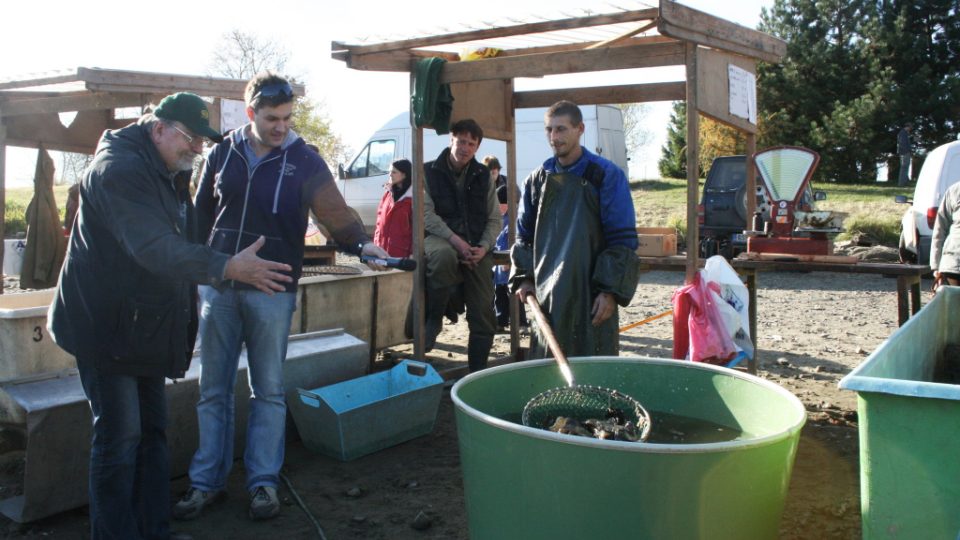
x=793 y=227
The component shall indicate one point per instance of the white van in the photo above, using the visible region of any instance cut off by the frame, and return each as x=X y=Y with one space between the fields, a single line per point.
x=940 y=170
x=362 y=182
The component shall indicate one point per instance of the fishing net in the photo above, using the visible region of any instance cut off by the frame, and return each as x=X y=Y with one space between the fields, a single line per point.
x=583 y=404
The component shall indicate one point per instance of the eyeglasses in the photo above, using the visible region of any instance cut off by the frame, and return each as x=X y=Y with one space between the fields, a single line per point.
x=191 y=139
x=274 y=90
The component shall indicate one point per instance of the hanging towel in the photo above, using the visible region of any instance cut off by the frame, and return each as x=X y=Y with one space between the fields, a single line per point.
x=432 y=102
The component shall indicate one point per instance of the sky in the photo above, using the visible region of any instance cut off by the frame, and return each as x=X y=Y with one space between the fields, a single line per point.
x=179 y=36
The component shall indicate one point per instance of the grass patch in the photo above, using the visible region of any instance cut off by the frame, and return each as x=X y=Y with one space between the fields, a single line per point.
x=15 y=209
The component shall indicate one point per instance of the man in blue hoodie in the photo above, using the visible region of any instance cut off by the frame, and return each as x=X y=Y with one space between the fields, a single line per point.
x=262 y=180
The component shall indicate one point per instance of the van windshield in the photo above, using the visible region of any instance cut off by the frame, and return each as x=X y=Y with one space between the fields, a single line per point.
x=373 y=160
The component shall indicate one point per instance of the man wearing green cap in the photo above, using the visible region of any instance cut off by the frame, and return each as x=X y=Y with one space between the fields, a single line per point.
x=126 y=305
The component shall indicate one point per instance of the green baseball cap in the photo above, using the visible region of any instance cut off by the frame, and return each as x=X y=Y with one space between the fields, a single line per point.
x=191 y=111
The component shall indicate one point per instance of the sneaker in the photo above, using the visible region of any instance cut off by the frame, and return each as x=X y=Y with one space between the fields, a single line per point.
x=193 y=502
x=264 y=503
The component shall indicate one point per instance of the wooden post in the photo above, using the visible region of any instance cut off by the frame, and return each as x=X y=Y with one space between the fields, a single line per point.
x=421 y=272
x=512 y=214
x=693 y=176
x=751 y=179
x=3 y=190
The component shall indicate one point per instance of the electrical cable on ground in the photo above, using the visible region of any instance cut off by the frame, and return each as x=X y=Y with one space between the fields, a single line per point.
x=303 y=506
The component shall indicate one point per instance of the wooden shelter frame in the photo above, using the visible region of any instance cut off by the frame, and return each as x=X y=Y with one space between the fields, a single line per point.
x=30 y=107
x=484 y=89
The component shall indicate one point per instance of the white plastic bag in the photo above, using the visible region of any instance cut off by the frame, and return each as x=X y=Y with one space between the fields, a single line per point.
x=724 y=281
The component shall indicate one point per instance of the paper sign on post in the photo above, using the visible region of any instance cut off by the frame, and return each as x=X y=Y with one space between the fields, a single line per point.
x=743 y=93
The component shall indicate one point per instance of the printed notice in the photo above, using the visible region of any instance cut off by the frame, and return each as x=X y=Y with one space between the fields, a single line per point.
x=743 y=93
x=233 y=114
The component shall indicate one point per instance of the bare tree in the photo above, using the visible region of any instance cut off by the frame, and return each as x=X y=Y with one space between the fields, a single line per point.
x=72 y=167
x=241 y=56
x=634 y=115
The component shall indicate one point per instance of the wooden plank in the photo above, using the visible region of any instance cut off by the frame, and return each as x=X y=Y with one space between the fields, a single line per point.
x=681 y=22
x=58 y=78
x=3 y=190
x=631 y=93
x=637 y=56
x=751 y=149
x=693 y=156
x=483 y=101
x=417 y=181
x=794 y=257
x=81 y=136
x=622 y=37
x=400 y=60
x=504 y=31
x=713 y=91
x=82 y=102
x=159 y=83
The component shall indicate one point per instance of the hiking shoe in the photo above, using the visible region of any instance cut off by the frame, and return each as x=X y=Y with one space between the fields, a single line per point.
x=264 y=503
x=192 y=503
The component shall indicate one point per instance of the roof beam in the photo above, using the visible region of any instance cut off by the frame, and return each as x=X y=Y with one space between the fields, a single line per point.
x=681 y=22
x=106 y=80
x=631 y=93
x=628 y=57
x=504 y=31
x=59 y=78
x=89 y=101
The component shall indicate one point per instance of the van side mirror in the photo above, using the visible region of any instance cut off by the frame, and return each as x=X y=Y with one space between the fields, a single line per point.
x=819 y=195
x=900 y=199
x=341 y=174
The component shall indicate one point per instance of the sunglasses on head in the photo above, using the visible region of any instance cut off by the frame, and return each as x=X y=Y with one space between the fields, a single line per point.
x=274 y=90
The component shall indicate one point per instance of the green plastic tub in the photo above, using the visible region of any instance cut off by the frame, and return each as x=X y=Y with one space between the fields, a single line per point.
x=527 y=483
x=910 y=429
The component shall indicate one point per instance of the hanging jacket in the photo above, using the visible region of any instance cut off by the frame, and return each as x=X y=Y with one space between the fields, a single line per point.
x=394 y=232
x=237 y=204
x=126 y=295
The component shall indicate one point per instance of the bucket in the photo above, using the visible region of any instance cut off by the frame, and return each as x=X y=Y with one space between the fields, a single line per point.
x=910 y=428
x=522 y=482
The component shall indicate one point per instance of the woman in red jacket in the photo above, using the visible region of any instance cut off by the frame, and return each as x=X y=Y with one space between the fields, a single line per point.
x=394 y=226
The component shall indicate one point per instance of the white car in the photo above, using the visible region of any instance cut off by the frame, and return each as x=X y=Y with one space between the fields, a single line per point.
x=940 y=170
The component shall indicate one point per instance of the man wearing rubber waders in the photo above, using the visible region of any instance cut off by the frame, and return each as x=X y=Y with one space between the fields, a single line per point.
x=576 y=241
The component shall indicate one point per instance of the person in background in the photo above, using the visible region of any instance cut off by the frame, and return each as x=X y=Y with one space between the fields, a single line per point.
x=493 y=164
x=576 y=241
x=126 y=305
x=905 y=151
x=262 y=180
x=501 y=272
x=461 y=220
x=945 y=244
x=394 y=231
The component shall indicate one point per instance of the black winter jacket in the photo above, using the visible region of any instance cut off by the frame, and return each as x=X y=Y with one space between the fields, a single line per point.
x=127 y=294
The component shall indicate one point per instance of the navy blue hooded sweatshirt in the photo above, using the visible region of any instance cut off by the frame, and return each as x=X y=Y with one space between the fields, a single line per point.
x=237 y=204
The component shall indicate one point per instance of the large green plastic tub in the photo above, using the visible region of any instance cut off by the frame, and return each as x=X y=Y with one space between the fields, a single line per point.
x=910 y=429
x=526 y=483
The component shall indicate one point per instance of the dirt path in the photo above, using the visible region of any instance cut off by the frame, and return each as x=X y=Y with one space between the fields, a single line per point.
x=813 y=329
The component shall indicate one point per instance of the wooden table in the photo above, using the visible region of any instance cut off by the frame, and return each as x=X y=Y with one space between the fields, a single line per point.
x=908 y=281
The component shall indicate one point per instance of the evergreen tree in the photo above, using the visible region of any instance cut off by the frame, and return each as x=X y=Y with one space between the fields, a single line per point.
x=673 y=157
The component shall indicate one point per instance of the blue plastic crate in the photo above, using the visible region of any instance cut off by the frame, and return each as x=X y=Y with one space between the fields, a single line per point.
x=360 y=416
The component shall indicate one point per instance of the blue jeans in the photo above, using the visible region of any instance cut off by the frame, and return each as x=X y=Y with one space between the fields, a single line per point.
x=129 y=461
x=228 y=319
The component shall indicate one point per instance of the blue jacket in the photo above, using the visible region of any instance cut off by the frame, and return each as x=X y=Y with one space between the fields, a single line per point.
x=237 y=204
x=617 y=213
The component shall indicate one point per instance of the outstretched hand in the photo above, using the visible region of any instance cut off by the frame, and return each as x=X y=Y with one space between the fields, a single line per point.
x=374 y=250
x=248 y=268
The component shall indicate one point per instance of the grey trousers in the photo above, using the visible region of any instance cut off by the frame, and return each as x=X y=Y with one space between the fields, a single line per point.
x=444 y=270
